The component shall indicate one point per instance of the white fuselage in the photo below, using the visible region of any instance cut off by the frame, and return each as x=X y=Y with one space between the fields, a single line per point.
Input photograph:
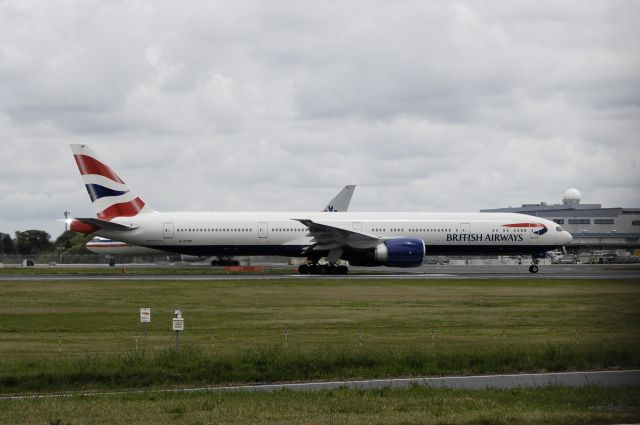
x=275 y=233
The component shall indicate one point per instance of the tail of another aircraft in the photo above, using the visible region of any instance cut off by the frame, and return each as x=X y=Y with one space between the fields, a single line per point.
x=341 y=201
x=110 y=195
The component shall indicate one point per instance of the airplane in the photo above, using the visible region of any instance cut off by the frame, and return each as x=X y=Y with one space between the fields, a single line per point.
x=110 y=248
x=363 y=239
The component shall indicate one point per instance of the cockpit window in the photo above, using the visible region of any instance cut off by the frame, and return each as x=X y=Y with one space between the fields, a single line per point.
x=558 y=228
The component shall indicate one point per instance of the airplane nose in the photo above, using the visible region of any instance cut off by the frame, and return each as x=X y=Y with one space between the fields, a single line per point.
x=567 y=238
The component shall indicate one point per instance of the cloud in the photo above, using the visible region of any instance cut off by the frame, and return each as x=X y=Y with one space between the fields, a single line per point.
x=275 y=106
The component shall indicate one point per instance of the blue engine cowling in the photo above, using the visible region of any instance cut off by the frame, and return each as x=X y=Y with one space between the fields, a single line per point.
x=402 y=252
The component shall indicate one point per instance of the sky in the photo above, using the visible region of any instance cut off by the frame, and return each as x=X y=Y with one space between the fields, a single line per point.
x=276 y=105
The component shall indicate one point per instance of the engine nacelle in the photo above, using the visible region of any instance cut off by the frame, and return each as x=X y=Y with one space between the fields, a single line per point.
x=403 y=252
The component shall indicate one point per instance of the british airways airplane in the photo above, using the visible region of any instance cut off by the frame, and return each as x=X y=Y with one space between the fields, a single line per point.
x=363 y=239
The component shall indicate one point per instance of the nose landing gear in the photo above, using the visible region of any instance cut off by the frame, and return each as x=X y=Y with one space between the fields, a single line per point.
x=534 y=267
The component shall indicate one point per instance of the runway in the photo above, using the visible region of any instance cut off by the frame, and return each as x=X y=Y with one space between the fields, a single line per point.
x=479 y=382
x=551 y=271
x=556 y=271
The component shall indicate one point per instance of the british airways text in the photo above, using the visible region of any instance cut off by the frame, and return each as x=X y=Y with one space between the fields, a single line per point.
x=479 y=237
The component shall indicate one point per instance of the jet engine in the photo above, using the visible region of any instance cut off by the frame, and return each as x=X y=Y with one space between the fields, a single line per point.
x=402 y=252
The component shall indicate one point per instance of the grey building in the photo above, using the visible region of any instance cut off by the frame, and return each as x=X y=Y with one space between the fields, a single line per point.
x=592 y=226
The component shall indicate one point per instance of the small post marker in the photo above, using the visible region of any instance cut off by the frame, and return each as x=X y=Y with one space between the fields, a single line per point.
x=178 y=325
x=145 y=318
x=481 y=301
x=577 y=336
x=360 y=339
x=59 y=343
x=286 y=335
x=136 y=343
x=433 y=338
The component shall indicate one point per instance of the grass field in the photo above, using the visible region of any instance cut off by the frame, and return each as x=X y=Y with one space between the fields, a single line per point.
x=390 y=406
x=66 y=335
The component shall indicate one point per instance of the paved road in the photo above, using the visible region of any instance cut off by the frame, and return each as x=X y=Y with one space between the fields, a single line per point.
x=536 y=380
x=579 y=271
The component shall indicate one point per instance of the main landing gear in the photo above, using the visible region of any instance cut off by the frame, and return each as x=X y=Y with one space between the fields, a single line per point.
x=315 y=268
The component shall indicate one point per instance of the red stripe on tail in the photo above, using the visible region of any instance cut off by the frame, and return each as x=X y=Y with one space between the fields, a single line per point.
x=89 y=165
x=82 y=227
x=124 y=209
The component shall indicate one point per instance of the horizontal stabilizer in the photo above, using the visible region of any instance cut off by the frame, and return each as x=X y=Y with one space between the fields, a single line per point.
x=90 y=225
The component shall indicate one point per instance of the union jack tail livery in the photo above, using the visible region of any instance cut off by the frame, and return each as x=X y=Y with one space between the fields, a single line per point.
x=110 y=195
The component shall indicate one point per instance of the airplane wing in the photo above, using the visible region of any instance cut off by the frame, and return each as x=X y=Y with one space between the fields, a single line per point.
x=342 y=200
x=329 y=236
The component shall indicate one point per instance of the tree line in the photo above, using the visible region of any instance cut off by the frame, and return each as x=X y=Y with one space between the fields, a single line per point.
x=37 y=242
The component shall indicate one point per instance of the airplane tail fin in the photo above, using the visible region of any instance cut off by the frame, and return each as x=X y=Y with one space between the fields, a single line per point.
x=110 y=195
x=342 y=200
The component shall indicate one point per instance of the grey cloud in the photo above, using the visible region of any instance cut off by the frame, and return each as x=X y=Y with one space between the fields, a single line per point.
x=274 y=106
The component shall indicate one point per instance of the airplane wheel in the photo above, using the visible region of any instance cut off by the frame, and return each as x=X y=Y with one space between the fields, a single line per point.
x=112 y=262
x=533 y=269
x=303 y=269
x=324 y=269
x=314 y=269
x=342 y=270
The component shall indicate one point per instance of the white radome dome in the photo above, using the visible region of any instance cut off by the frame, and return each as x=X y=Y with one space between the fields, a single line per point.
x=572 y=196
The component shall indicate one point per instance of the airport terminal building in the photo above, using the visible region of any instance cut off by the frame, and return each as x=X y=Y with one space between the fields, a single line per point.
x=592 y=226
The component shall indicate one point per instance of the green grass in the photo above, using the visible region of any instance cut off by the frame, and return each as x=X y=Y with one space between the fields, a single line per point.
x=82 y=334
x=553 y=405
x=276 y=364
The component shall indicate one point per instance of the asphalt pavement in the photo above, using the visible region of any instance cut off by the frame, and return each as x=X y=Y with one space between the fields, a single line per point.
x=457 y=272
